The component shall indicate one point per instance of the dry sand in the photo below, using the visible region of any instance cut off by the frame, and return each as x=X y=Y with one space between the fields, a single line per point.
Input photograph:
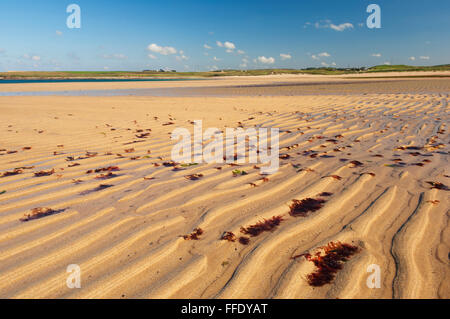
x=127 y=238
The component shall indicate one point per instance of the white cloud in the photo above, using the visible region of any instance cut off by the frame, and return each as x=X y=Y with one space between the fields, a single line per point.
x=424 y=57
x=377 y=55
x=58 y=32
x=387 y=63
x=240 y=52
x=161 y=50
x=320 y=55
x=216 y=59
x=324 y=64
x=324 y=24
x=207 y=46
x=264 y=60
x=285 y=56
x=229 y=45
x=151 y=56
x=412 y=58
x=341 y=27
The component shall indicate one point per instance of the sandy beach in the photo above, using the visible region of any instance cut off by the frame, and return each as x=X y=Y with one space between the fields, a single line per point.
x=372 y=155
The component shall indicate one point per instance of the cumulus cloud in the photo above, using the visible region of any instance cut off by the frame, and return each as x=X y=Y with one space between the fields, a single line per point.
x=264 y=60
x=206 y=46
x=424 y=57
x=151 y=56
x=412 y=58
x=341 y=27
x=377 y=55
x=216 y=59
x=240 y=52
x=229 y=45
x=320 y=55
x=327 y=24
x=161 y=50
x=285 y=56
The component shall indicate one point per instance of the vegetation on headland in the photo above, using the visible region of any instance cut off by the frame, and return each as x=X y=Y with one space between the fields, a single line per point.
x=209 y=74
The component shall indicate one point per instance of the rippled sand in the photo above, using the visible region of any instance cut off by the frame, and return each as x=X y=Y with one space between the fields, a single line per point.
x=127 y=236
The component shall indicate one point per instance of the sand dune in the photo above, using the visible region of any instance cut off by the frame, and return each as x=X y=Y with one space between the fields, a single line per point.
x=127 y=235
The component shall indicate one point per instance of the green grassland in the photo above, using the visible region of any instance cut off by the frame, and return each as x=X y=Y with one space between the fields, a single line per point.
x=219 y=73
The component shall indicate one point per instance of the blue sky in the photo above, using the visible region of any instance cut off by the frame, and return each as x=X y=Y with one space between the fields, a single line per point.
x=200 y=35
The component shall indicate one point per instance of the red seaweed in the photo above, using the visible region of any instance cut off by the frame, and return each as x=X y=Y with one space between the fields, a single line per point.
x=438 y=185
x=39 y=213
x=244 y=240
x=301 y=208
x=12 y=173
x=262 y=226
x=335 y=254
x=194 y=235
x=229 y=236
x=44 y=173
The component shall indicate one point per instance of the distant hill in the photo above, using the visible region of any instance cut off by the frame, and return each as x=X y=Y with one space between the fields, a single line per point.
x=404 y=68
x=218 y=73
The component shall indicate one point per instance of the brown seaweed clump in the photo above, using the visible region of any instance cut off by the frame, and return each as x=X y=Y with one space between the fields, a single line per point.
x=103 y=169
x=194 y=177
x=438 y=185
x=335 y=254
x=16 y=171
x=301 y=208
x=44 y=173
x=39 y=213
x=262 y=226
x=229 y=236
x=244 y=240
x=356 y=164
x=194 y=235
